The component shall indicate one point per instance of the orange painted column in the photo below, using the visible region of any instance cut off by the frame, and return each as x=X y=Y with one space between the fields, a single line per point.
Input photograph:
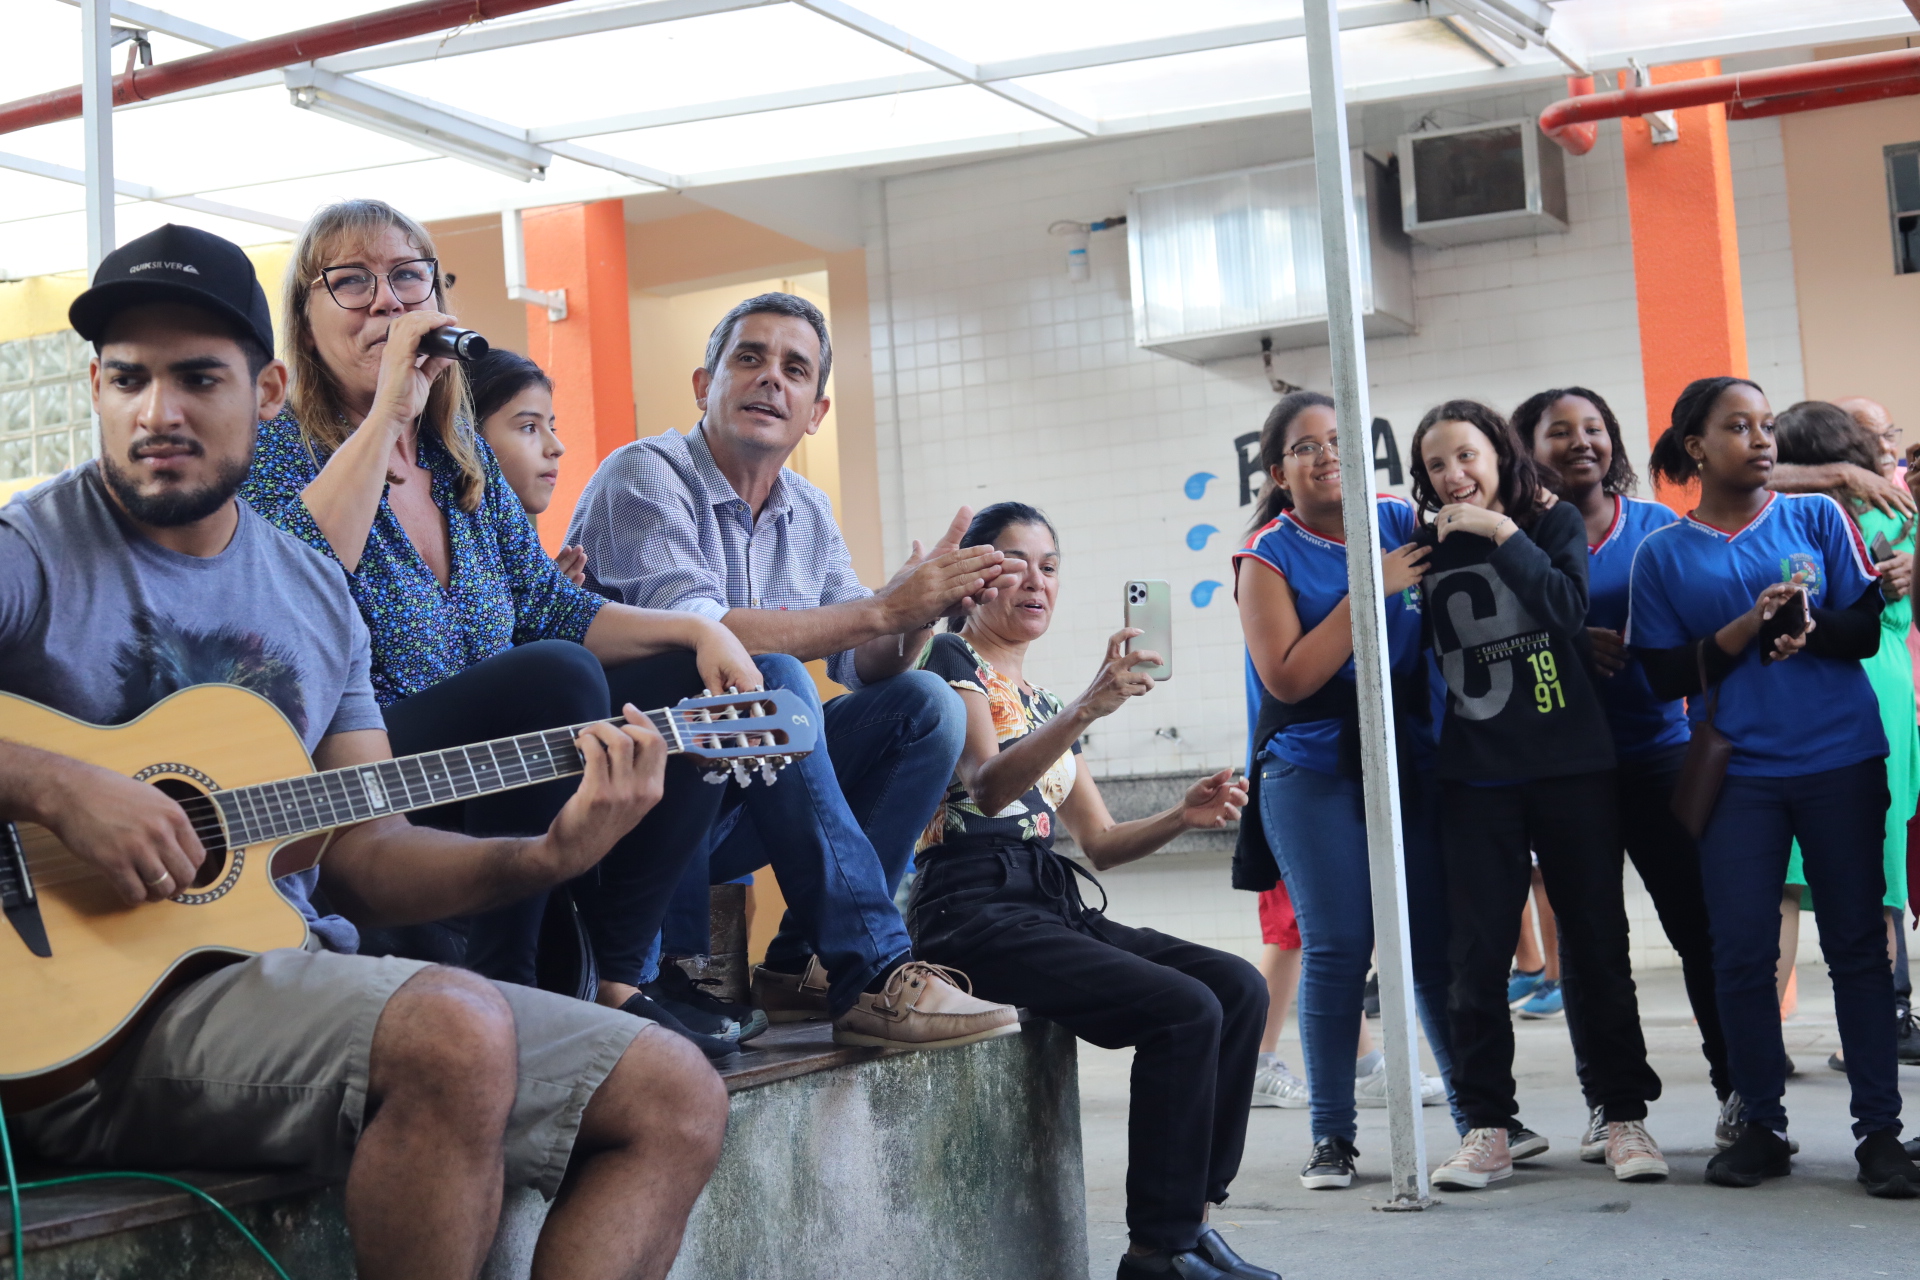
x=1686 y=255
x=581 y=248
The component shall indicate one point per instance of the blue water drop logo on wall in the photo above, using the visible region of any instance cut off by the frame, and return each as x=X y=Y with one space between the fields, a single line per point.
x=1196 y=486
x=1198 y=535
x=1203 y=593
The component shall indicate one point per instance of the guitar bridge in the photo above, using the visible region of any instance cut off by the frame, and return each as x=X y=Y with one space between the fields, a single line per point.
x=16 y=893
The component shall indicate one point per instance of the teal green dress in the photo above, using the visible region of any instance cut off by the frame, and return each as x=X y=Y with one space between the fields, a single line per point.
x=1890 y=672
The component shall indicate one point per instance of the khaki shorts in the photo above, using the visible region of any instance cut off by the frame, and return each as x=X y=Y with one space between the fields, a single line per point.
x=263 y=1065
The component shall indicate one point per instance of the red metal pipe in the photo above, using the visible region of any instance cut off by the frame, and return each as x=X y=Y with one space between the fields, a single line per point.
x=270 y=54
x=1776 y=91
x=1579 y=138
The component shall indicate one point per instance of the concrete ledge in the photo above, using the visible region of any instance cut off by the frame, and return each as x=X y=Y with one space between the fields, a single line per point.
x=840 y=1164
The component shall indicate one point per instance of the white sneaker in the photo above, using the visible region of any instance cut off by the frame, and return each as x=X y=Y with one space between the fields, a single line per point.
x=1275 y=1086
x=1370 y=1090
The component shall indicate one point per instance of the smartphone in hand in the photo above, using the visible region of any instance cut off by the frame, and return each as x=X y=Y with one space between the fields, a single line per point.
x=1790 y=619
x=1882 y=550
x=1149 y=606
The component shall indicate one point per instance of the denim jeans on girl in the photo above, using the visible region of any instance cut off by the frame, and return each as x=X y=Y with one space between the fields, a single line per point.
x=1316 y=824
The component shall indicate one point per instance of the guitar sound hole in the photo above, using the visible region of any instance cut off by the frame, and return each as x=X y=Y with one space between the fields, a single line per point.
x=212 y=836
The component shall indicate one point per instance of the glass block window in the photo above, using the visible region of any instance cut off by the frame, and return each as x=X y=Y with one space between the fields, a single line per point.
x=46 y=422
x=1903 y=203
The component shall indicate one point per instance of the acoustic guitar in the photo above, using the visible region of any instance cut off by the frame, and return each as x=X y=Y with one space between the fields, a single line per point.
x=77 y=965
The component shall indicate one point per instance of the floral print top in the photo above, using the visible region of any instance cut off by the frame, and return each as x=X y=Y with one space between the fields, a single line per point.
x=1016 y=713
x=503 y=589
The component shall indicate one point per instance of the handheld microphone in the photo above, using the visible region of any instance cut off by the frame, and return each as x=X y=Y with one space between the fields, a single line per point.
x=453 y=343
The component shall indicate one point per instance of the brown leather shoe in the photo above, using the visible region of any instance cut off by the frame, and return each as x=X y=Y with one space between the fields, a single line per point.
x=792 y=997
x=923 y=1007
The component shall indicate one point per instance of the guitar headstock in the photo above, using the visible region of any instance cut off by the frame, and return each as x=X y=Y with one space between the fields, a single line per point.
x=733 y=731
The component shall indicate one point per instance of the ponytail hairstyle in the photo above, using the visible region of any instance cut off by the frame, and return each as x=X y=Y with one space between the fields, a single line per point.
x=1273 y=452
x=1519 y=476
x=1533 y=411
x=1670 y=459
x=497 y=377
x=990 y=522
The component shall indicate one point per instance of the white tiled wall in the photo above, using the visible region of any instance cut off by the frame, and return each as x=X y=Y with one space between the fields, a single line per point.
x=998 y=378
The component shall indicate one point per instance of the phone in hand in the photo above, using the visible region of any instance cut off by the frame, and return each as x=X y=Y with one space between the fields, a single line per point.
x=1882 y=550
x=1790 y=619
x=1149 y=606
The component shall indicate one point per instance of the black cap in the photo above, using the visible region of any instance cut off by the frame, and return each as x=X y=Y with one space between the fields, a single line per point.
x=175 y=264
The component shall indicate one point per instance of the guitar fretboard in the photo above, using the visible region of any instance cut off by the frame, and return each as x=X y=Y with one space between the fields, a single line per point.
x=340 y=797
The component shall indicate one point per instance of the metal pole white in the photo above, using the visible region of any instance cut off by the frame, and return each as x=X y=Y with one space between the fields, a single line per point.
x=96 y=95
x=1333 y=170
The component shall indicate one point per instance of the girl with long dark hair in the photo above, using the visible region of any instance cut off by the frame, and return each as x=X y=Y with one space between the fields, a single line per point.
x=1575 y=439
x=1291 y=585
x=1808 y=757
x=1526 y=764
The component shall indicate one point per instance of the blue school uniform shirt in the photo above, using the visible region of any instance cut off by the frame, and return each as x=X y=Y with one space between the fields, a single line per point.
x=1642 y=723
x=1807 y=714
x=1315 y=566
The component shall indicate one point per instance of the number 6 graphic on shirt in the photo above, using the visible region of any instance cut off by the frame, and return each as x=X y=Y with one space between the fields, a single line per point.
x=1472 y=607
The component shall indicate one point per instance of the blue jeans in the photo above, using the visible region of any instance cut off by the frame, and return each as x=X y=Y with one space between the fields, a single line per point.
x=839 y=827
x=1838 y=817
x=1316 y=823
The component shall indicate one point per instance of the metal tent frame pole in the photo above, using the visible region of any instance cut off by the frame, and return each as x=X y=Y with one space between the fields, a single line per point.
x=96 y=93
x=1381 y=776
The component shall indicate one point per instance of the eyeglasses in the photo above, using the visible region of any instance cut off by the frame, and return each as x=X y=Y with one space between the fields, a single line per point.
x=1310 y=450
x=356 y=287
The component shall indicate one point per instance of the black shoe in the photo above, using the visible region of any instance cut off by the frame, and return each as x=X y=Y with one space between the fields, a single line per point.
x=1907 y=1042
x=1215 y=1250
x=703 y=1011
x=1912 y=1148
x=1523 y=1143
x=1885 y=1170
x=1836 y=1063
x=1370 y=996
x=1188 y=1264
x=1757 y=1154
x=641 y=1006
x=1330 y=1165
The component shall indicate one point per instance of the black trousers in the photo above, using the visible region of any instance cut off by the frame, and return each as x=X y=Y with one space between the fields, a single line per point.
x=1011 y=919
x=1668 y=861
x=1571 y=825
x=540 y=686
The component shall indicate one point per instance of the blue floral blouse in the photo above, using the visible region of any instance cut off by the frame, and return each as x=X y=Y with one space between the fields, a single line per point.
x=503 y=589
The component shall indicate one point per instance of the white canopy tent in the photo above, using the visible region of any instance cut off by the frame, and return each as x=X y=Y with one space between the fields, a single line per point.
x=598 y=98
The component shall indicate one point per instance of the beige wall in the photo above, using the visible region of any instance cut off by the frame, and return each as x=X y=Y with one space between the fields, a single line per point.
x=471 y=251
x=1859 y=322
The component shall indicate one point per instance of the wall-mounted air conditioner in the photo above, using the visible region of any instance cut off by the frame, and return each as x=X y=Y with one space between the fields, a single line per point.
x=1220 y=263
x=1482 y=182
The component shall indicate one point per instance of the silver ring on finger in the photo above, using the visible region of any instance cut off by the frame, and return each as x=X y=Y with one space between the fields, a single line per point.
x=160 y=879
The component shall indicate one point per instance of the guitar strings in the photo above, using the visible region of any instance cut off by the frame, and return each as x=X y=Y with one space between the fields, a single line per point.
x=206 y=819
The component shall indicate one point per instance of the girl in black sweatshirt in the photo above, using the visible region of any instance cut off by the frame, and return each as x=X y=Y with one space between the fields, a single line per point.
x=1526 y=768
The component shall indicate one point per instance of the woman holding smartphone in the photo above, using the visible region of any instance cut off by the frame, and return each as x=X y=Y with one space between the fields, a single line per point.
x=993 y=897
x=1526 y=763
x=1575 y=440
x=1771 y=603
x=1291 y=585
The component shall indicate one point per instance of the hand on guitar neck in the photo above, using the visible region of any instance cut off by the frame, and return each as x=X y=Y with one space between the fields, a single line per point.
x=143 y=842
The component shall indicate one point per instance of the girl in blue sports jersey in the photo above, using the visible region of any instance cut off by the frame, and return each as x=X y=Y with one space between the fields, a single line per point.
x=1291 y=585
x=1576 y=441
x=1526 y=766
x=1808 y=758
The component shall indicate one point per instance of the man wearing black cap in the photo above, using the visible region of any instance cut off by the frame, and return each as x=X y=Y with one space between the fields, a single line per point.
x=127 y=579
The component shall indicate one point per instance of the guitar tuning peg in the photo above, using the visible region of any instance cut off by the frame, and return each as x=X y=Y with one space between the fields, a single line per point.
x=767 y=774
x=714 y=777
x=740 y=774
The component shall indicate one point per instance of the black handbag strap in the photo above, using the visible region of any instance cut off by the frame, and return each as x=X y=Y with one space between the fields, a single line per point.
x=1713 y=692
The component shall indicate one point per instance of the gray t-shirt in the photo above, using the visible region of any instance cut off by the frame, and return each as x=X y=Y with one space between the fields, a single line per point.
x=100 y=623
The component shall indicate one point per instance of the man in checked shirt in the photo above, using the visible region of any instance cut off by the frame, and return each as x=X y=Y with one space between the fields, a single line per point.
x=712 y=523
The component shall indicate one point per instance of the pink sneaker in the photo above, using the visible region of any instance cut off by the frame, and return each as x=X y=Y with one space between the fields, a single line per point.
x=1632 y=1153
x=1482 y=1158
